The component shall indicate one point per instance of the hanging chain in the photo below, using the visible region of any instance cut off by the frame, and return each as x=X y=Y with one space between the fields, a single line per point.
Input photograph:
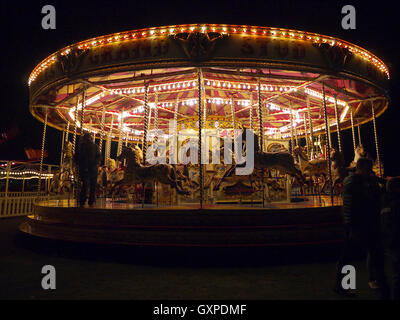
x=338 y=125
x=378 y=158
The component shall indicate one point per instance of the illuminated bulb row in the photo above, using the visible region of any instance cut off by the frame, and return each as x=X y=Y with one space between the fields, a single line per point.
x=105 y=40
x=21 y=173
x=176 y=85
x=127 y=91
x=5 y=164
x=327 y=98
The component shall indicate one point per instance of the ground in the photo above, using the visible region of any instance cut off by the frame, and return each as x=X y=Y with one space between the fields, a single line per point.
x=114 y=272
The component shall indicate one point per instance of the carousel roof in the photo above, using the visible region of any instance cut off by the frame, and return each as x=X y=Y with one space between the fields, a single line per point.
x=286 y=70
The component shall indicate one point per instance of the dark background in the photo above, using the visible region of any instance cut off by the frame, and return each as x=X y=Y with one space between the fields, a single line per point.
x=25 y=44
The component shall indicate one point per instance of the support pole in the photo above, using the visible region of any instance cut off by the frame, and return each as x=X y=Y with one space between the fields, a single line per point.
x=62 y=148
x=199 y=156
x=83 y=109
x=156 y=138
x=145 y=123
x=75 y=127
x=146 y=119
x=311 y=127
x=295 y=134
x=359 y=133
x=103 y=119
x=306 y=136
x=339 y=135
x=120 y=132
x=352 y=130
x=67 y=133
x=107 y=152
x=251 y=112
x=8 y=176
x=378 y=158
x=328 y=145
x=291 y=131
x=42 y=152
x=260 y=116
x=233 y=114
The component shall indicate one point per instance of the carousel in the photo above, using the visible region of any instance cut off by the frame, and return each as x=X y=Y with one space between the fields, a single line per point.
x=210 y=135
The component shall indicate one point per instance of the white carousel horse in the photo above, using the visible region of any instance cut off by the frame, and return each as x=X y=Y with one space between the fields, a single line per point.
x=137 y=173
x=360 y=152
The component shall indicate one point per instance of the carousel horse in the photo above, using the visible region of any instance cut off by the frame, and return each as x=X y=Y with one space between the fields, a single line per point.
x=62 y=179
x=360 y=152
x=108 y=176
x=281 y=161
x=315 y=169
x=137 y=173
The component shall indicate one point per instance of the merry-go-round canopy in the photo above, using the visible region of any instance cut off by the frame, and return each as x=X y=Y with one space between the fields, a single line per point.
x=241 y=66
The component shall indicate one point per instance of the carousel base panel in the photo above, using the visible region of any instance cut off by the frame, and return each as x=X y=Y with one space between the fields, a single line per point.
x=279 y=224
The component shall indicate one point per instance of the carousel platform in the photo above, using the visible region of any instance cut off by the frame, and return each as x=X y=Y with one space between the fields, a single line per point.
x=279 y=224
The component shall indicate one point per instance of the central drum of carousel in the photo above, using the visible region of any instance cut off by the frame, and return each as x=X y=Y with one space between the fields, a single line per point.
x=211 y=135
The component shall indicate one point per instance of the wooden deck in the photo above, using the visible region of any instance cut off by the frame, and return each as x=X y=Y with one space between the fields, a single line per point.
x=296 y=223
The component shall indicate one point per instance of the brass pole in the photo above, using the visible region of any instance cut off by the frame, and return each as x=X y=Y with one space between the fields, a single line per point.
x=376 y=140
x=306 y=136
x=83 y=109
x=42 y=152
x=328 y=144
x=103 y=119
x=338 y=125
x=311 y=127
x=359 y=132
x=352 y=129
x=291 y=130
x=261 y=135
x=200 y=78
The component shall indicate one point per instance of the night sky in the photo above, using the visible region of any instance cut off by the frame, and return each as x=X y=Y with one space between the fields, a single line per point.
x=25 y=43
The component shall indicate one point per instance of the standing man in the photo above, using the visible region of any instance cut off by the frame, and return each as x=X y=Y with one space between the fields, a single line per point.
x=390 y=215
x=87 y=158
x=361 y=213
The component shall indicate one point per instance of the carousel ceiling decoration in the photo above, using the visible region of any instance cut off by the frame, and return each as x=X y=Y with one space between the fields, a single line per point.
x=116 y=73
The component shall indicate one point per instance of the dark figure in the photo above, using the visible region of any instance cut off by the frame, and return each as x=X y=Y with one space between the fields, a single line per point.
x=390 y=217
x=361 y=208
x=87 y=157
